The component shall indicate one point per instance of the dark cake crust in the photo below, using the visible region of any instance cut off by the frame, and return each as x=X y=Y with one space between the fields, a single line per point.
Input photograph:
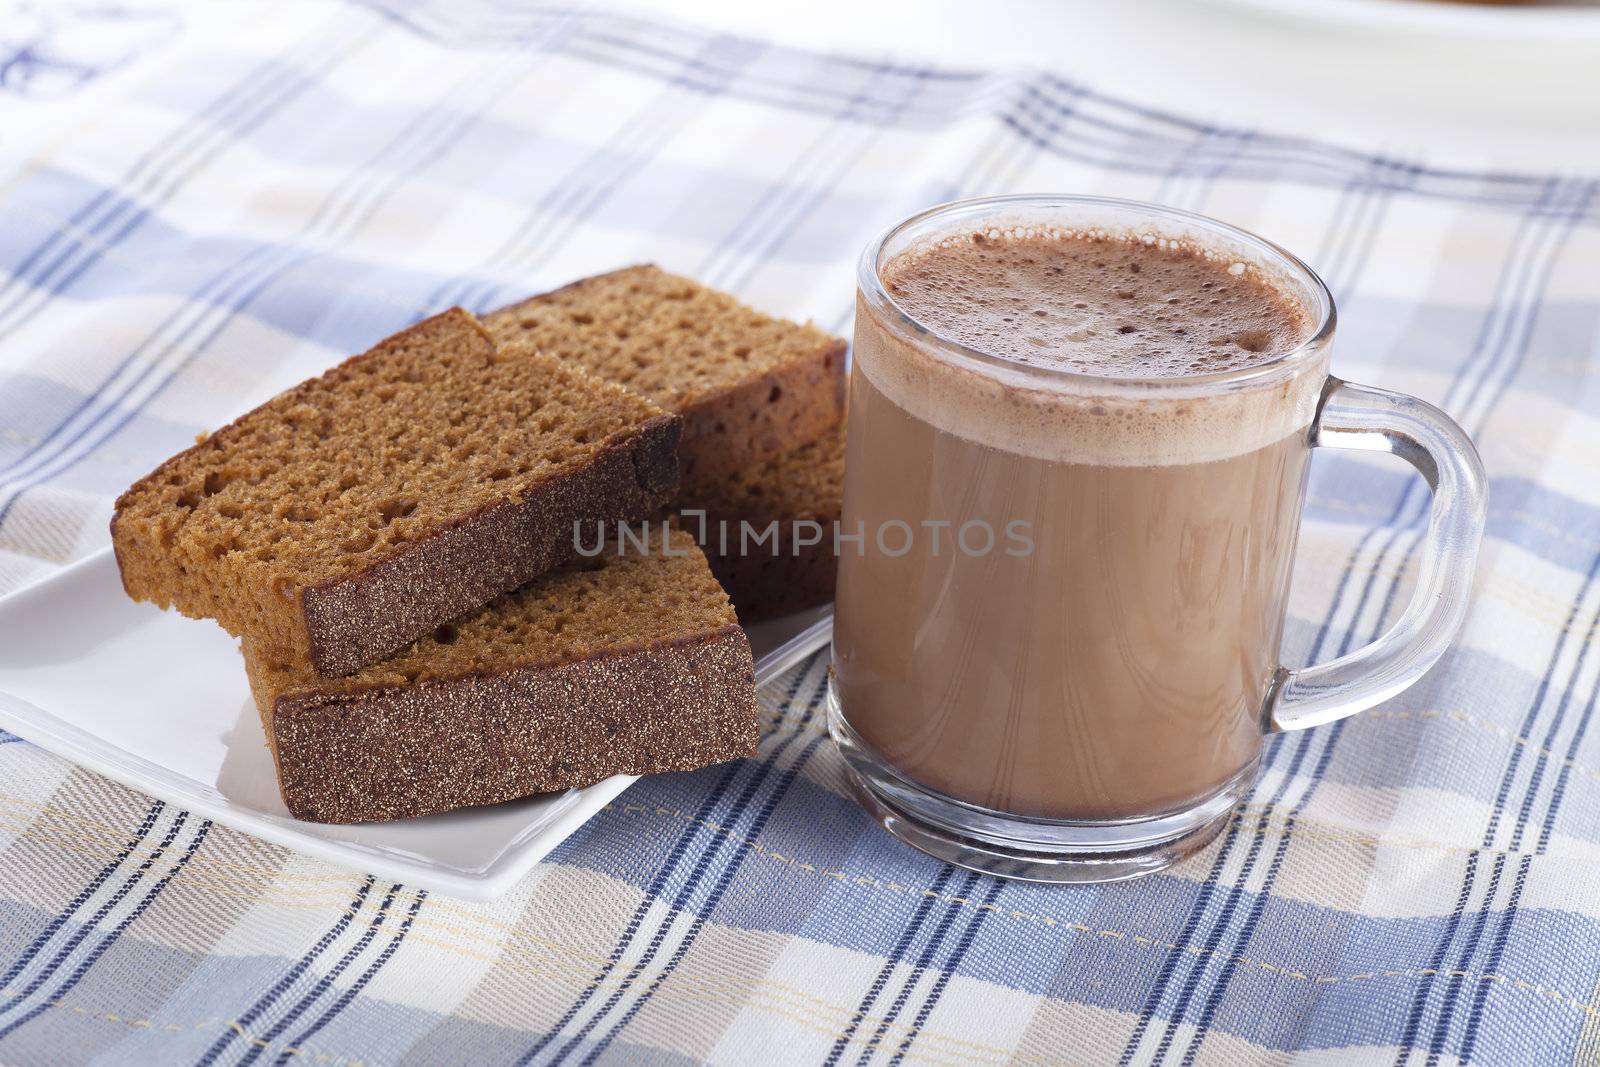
x=402 y=751
x=357 y=620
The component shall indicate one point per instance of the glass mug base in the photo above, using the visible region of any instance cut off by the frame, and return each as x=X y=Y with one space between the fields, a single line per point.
x=1020 y=847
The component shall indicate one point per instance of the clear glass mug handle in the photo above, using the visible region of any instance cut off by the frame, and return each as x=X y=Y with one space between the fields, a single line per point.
x=1375 y=420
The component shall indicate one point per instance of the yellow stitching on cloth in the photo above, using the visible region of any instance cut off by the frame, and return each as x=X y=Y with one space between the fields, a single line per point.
x=933 y=1038
x=1527 y=518
x=735 y=996
x=794 y=721
x=1270 y=823
x=1170 y=946
x=255 y=893
x=1367 y=717
x=264 y=891
x=1587 y=1049
x=750 y=995
x=107 y=835
x=178 y=1028
x=1267 y=822
x=1485 y=725
x=1547 y=608
x=586 y=963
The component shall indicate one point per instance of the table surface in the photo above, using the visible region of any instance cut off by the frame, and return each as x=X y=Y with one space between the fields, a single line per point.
x=202 y=204
x=1525 y=103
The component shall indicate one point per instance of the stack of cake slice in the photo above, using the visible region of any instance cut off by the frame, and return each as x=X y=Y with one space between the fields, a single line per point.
x=393 y=543
x=762 y=401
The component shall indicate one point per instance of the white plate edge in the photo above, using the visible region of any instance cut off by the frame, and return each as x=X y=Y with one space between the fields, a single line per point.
x=1428 y=18
x=81 y=748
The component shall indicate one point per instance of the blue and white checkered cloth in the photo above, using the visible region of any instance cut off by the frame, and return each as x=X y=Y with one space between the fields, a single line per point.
x=200 y=206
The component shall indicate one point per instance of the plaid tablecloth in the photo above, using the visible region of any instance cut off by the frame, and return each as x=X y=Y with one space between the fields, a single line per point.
x=202 y=205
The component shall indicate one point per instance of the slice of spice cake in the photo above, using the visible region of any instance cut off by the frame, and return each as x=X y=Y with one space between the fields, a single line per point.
x=628 y=663
x=750 y=387
x=354 y=513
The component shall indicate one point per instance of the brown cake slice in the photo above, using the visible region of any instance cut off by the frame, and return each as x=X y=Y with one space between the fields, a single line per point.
x=787 y=573
x=354 y=513
x=749 y=387
x=623 y=664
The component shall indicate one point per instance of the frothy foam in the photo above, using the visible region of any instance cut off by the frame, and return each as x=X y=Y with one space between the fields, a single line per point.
x=1142 y=313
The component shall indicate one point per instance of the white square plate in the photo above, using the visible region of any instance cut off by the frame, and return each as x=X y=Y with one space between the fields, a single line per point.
x=159 y=703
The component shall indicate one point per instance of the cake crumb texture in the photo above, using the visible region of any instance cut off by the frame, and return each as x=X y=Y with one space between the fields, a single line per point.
x=360 y=509
x=749 y=386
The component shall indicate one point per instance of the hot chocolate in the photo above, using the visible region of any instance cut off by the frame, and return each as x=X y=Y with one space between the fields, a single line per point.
x=1112 y=661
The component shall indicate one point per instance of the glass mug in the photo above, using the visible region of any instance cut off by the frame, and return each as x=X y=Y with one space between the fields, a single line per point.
x=1076 y=688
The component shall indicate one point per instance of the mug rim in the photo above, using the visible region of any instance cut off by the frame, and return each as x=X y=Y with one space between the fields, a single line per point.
x=869 y=283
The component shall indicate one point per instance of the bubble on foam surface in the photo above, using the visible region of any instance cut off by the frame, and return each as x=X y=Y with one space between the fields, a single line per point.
x=1095 y=303
x=1113 y=306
